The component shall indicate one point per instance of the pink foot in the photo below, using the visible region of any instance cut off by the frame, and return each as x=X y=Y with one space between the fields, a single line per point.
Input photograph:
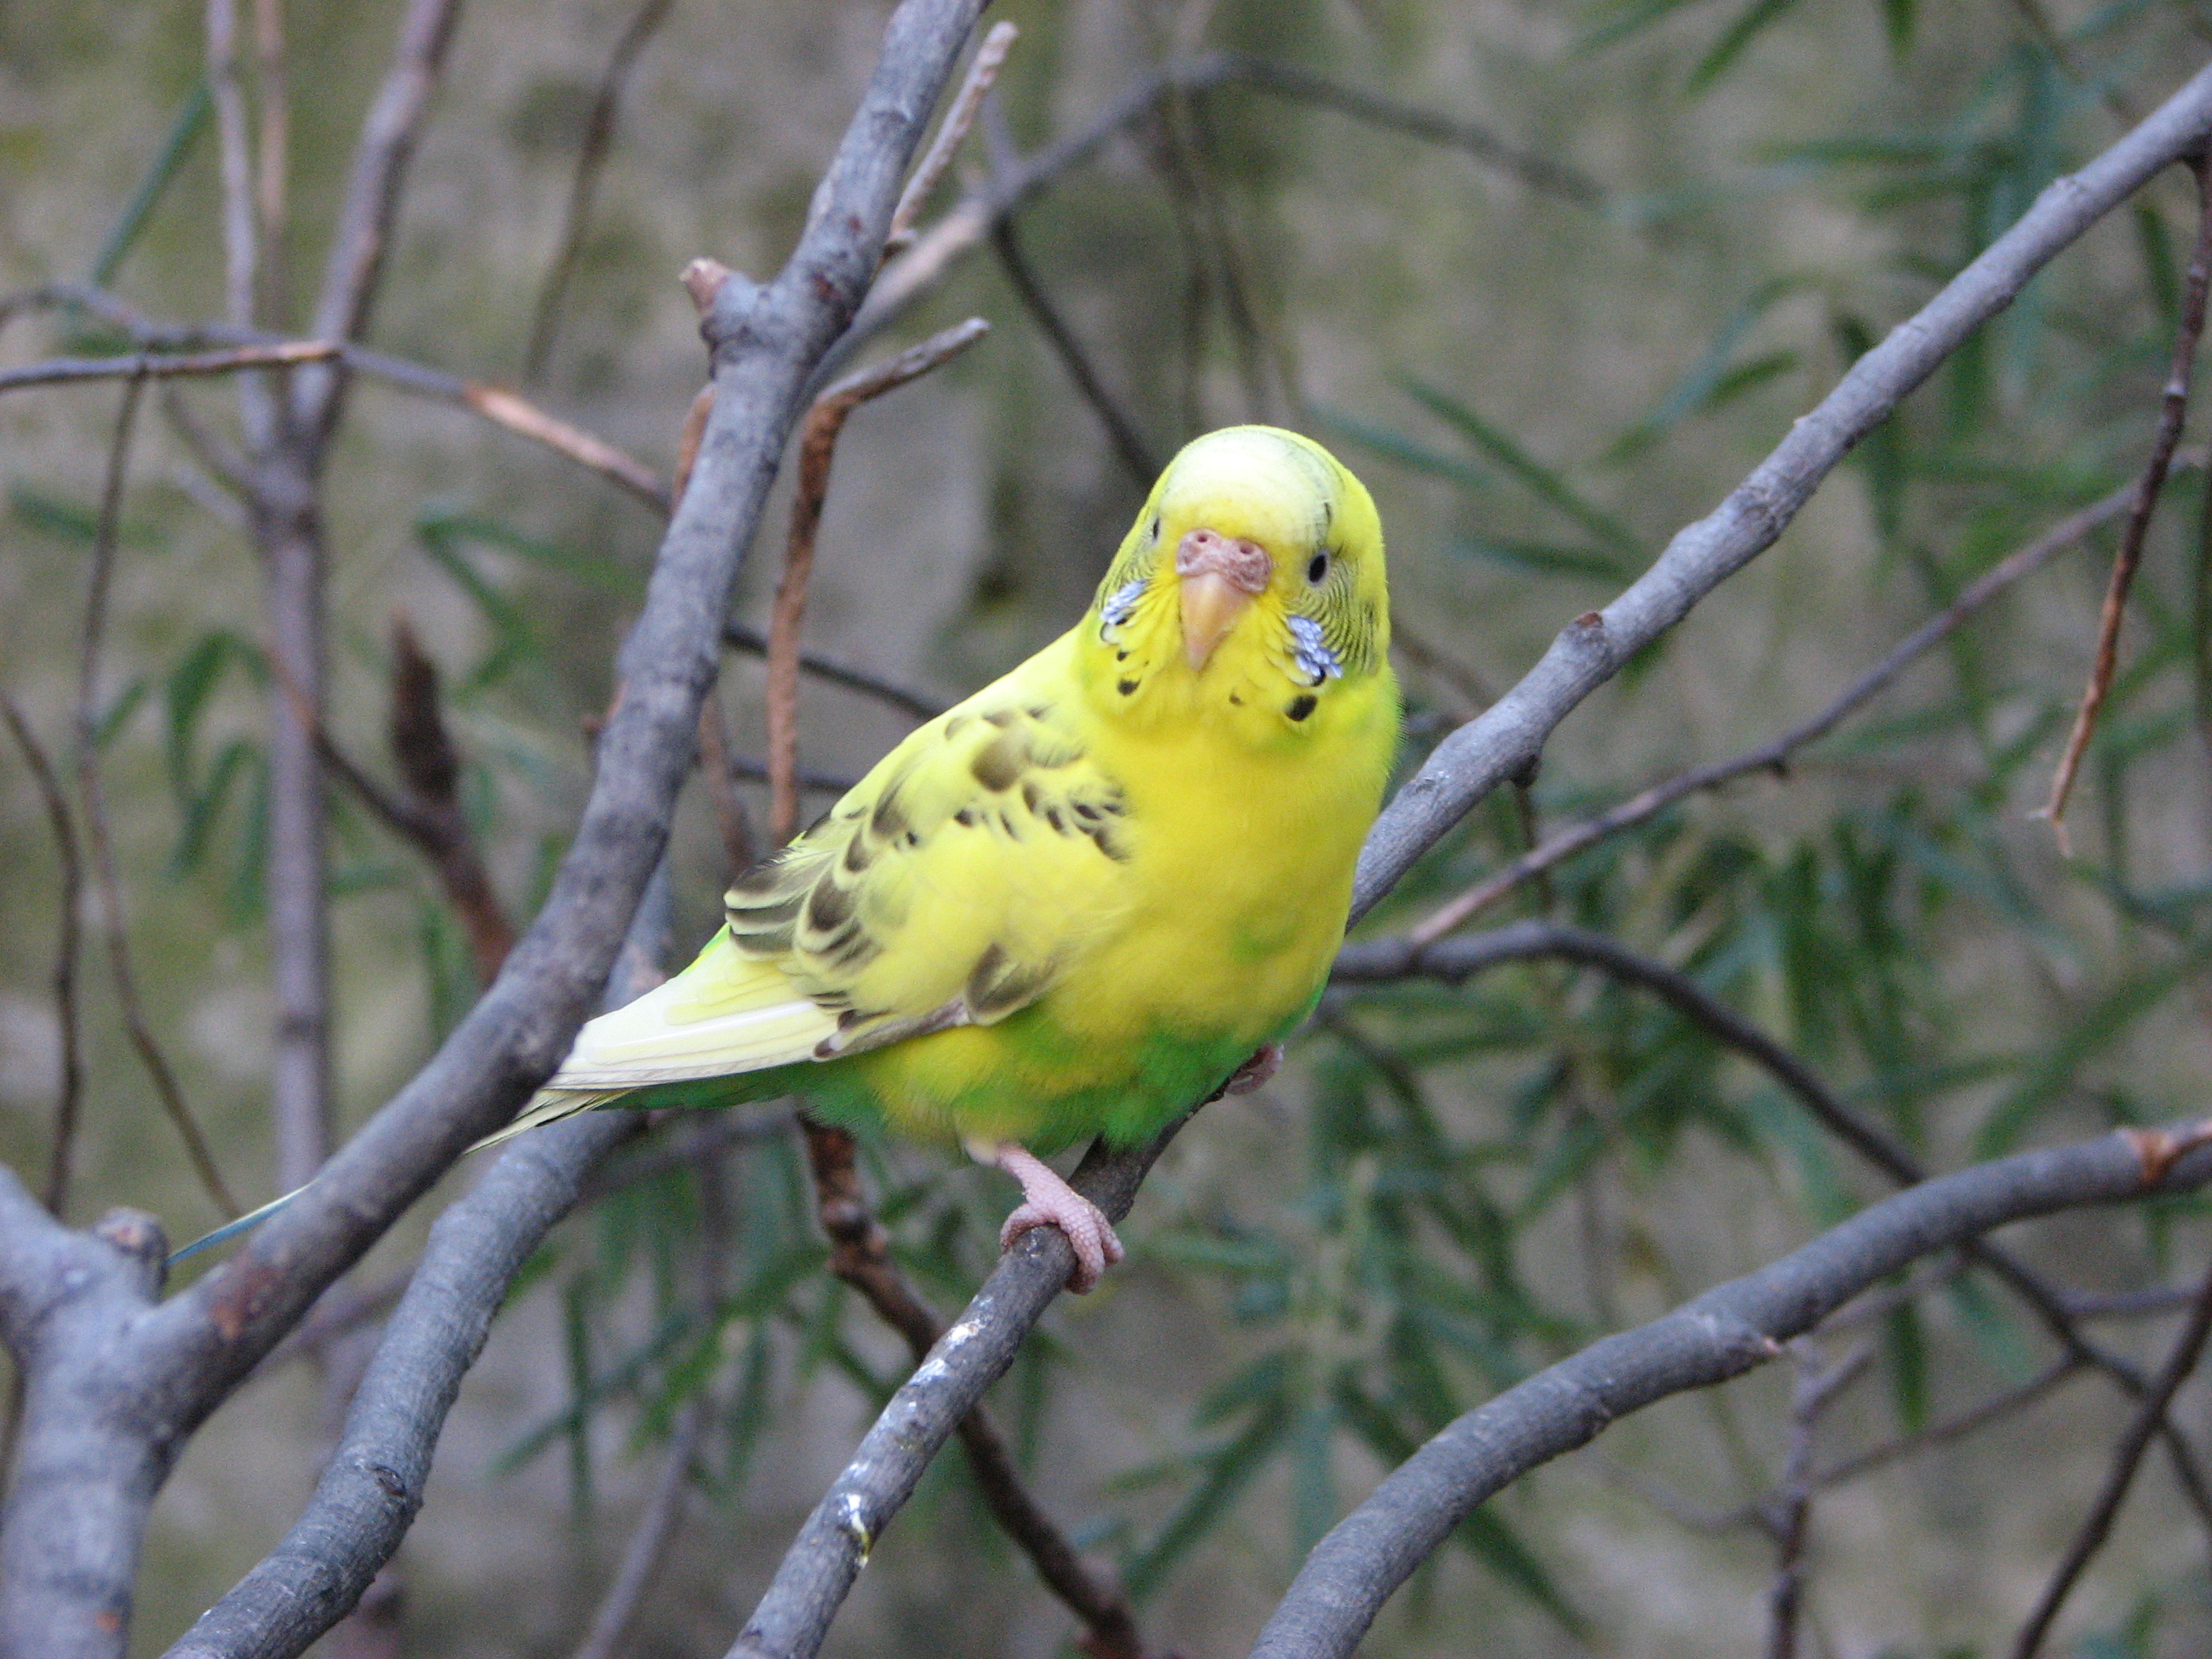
x=1049 y=1201
x=1255 y=1072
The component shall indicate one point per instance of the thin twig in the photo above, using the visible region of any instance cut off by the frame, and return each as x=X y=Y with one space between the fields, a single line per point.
x=241 y=232
x=141 y=1034
x=2062 y=1370
x=817 y=447
x=860 y=1255
x=717 y=767
x=2173 y=411
x=1135 y=457
x=990 y=58
x=70 y=1090
x=273 y=157
x=519 y=414
x=2126 y=1456
x=741 y=636
x=1789 y=1508
x=591 y=162
x=1774 y=754
x=371 y=205
x=1473 y=693
x=498 y=405
x=1539 y=173
x=61 y=371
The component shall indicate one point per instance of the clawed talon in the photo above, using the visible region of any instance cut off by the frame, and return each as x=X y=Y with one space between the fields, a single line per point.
x=1255 y=1072
x=1049 y=1201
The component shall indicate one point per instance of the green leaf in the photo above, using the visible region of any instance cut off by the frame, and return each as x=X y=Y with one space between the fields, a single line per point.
x=1749 y=25
x=1624 y=18
x=1585 y=563
x=191 y=119
x=1908 y=1366
x=1406 y=452
x=1898 y=18
x=1497 y=1547
x=1228 y=1469
x=2058 y=1068
x=1543 y=482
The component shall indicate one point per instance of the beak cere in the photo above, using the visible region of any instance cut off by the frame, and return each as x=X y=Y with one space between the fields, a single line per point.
x=1220 y=577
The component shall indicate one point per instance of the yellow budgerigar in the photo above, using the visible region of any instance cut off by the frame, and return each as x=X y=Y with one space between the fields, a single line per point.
x=1100 y=889
x=1092 y=893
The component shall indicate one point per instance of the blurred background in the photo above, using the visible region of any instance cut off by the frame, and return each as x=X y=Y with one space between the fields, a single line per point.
x=1548 y=330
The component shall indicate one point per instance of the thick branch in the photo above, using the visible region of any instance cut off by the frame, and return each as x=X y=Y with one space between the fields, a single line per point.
x=1456 y=959
x=861 y=1255
x=1723 y=1333
x=1482 y=754
x=373 y=1486
x=818 y=1570
x=194 y=1349
x=1774 y=754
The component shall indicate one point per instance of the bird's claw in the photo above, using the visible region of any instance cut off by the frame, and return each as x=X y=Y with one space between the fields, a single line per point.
x=1255 y=1072
x=1049 y=1201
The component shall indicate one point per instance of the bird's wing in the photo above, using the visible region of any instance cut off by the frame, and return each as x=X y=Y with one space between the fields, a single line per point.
x=954 y=884
x=960 y=880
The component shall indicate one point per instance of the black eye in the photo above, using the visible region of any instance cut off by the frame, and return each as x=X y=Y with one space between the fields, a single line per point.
x=1318 y=572
x=1156 y=527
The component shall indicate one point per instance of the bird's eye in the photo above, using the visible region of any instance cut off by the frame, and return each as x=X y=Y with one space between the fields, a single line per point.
x=1156 y=527
x=1318 y=572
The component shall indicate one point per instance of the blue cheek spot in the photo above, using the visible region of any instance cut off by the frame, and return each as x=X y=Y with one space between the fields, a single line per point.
x=1311 y=651
x=1120 y=606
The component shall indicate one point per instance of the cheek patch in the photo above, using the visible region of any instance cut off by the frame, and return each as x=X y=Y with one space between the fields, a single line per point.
x=1311 y=651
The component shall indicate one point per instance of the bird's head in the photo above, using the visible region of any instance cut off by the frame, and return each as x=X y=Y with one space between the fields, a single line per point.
x=1252 y=580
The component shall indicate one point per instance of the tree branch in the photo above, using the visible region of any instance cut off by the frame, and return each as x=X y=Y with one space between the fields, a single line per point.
x=372 y=204
x=135 y=366
x=168 y=1367
x=1455 y=959
x=373 y=1486
x=818 y=1569
x=990 y=58
x=1506 y=738
x=1773 y=755
x=861 y=1255
x=495 y=403
x=1721 y=1334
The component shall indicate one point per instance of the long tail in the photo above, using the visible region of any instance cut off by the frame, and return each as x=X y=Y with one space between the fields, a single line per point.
x=725 y=1014
x=546 y=1106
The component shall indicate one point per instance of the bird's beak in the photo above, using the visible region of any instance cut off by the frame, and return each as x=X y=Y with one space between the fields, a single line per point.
x=1221 y=575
